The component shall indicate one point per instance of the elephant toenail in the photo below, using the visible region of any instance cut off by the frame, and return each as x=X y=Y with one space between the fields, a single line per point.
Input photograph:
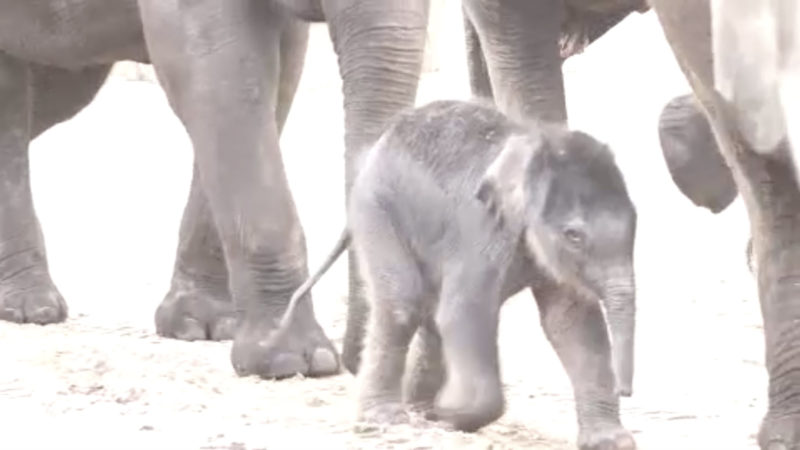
x=12 y=314
x=777 y=445
x=192 y=330
x=45 y=314
x=286 y=365
x=224 y=329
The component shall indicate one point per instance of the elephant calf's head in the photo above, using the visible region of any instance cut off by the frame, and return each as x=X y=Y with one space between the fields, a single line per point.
x=564 y=192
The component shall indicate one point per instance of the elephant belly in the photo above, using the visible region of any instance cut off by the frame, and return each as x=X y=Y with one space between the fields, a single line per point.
x=72 y=33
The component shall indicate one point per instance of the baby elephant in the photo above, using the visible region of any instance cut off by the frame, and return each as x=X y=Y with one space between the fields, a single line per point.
x=455 y=209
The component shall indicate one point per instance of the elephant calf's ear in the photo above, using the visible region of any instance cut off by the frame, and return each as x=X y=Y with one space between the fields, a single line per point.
x=502 y=187
x=487 y=194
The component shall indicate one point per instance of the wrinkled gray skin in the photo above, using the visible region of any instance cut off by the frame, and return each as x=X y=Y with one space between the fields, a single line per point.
x=767 y=184
x=515 y=49
x=456 y=209
x=694 y=160
x=230 y=70
x=692 y=155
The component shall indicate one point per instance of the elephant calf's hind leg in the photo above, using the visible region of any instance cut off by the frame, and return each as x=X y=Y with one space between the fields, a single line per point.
x=426 y=374
x=467 y=317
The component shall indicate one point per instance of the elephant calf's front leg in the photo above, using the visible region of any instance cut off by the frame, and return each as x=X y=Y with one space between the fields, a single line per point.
x=577 y=331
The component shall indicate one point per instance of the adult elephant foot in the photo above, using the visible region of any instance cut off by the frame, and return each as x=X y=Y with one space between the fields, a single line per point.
x=302 y=348
x=607 y=437
x=198 y=305
x=780 y=433
x=194 y=313
x=30 y=299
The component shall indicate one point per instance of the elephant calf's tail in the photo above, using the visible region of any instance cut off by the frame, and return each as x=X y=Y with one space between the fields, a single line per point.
x=341 y=246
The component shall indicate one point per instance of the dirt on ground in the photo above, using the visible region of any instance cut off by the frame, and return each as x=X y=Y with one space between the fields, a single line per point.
x=110 y=185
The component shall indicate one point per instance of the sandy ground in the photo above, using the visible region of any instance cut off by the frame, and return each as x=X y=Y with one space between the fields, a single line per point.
x=110 y=186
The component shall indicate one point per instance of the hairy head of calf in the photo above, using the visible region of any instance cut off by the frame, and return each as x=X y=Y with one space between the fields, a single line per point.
x=564 y=193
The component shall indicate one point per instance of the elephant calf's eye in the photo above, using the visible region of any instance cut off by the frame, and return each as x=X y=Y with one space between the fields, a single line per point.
x=574 y=236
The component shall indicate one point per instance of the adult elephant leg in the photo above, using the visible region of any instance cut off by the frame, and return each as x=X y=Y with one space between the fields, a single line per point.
x=768 y=187
x=59 y=94
x=198 y=305
x=576 y=328
x=294 y=43
x=27 y=293
x=520 y=41
x=380 y=46
x=219 y=64
x=476 y=62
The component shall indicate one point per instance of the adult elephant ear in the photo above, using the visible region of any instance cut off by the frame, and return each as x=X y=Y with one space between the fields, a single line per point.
x=693 y=157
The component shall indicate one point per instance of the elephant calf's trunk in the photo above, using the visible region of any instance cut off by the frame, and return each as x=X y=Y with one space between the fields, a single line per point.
x=620 y=312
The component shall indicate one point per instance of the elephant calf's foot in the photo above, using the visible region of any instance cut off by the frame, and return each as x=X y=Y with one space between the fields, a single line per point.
x=385 y=414
x=780 y=433
x=606 y=437
x=300 y=349
x=40 y=303
x=470 y=409
x=196 y=314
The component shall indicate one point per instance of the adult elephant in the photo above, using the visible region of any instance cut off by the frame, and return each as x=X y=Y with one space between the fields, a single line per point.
x=766 y=180
x=230 y=70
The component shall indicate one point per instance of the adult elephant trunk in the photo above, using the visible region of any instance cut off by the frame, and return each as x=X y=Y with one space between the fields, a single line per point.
x=380 y=46
x=692 y=155
x=619 y=305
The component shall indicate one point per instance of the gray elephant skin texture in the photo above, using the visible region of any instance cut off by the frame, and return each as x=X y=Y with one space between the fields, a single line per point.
x=515 y=49
x=692 y=155
x=230 y=70
x=455 y=209
x=767 y=183
x=694 y=161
